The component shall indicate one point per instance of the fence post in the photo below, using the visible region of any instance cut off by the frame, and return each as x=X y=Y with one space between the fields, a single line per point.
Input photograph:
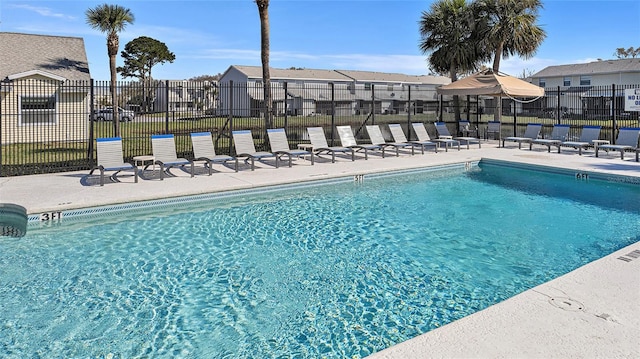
x=333 y=106
x=515 y=116
x=91 y=121
x=166 y=106
x=478 y=115
x=409 y=108
x=373 y=104
x=230 y=115
x=285 y=86
x=613 y=113
x=439 y=116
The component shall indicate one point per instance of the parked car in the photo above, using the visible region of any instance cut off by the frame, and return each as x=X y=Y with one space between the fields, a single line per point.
x=106 y=114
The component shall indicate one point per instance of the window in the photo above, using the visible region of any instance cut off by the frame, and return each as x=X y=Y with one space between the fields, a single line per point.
x=566 y=81
x=542 y=82
x=585 y=80
x=37 y=110
x=367 y=86
x=389 y=87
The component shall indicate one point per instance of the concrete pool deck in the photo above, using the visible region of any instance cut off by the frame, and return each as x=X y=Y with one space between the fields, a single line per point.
x=593 y=311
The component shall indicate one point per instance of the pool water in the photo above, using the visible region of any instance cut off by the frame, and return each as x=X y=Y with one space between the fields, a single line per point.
x=336 y=271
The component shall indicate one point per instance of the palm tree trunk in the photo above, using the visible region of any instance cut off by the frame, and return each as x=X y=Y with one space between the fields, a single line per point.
x=263 y=11
x=114 y=96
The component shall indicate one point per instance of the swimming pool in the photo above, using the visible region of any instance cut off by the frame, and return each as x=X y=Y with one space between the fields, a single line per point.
x=342 y=269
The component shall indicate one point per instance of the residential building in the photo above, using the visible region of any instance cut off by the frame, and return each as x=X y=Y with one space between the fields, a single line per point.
x=308 y=92
x=182 y=95
x=44 y=88
x=577 y=87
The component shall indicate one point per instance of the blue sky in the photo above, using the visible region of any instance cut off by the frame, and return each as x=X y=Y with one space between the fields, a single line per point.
x=208 y=36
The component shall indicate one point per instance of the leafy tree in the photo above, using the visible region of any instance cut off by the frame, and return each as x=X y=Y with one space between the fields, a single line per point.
x=448 y=35
x=140 y=55
x=263 y=11
x=203 y=78
x=111 y=19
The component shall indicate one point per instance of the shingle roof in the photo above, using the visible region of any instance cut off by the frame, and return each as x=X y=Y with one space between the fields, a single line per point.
x=371 y=76
x=255 y=72
x=57 y=55
x=591 y=68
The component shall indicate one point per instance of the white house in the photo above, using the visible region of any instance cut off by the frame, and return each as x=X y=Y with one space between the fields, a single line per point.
x=588 y=85
x=44 y=88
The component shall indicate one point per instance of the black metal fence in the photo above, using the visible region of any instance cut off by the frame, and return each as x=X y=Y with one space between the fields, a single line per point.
x=50 y=126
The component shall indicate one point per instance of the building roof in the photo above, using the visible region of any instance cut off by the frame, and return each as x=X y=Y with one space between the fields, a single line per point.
x=371 y=76
x=591 y=68
x=255 y=73
x=28 y=54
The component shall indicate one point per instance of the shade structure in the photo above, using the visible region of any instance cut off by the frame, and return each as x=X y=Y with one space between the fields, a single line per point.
x=488 y=83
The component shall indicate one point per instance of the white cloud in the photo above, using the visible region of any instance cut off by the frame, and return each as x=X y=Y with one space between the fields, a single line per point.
x=43 y=11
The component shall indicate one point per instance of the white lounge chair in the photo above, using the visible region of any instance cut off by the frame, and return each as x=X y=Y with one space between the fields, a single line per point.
x=558 y=134
x=398 y=137
x=348 y=140
x=493 y=128
x=280 y=146
x=588 y=135
x=443 y=133
x=110 y=158
x=627 y=140
x=164 y=153
x=375 y=134
x=423 y=135
x=204 y=151
x=244 y=146
x=531 y=133
x=319 y=144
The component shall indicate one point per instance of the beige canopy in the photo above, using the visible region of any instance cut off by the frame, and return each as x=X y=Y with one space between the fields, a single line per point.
x=491 y=84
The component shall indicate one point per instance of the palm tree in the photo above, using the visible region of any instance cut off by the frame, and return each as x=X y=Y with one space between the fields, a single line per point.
x=509 y=28
x=448 y=34
x=263 y=11
x=111 y=19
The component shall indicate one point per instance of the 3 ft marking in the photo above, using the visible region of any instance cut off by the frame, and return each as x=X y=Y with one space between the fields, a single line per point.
x=582 y=176
x=358 y=178
x=50 y=216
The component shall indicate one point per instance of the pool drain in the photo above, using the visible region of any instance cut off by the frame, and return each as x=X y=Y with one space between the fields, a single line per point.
x=566 y=304
x=13 y=220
